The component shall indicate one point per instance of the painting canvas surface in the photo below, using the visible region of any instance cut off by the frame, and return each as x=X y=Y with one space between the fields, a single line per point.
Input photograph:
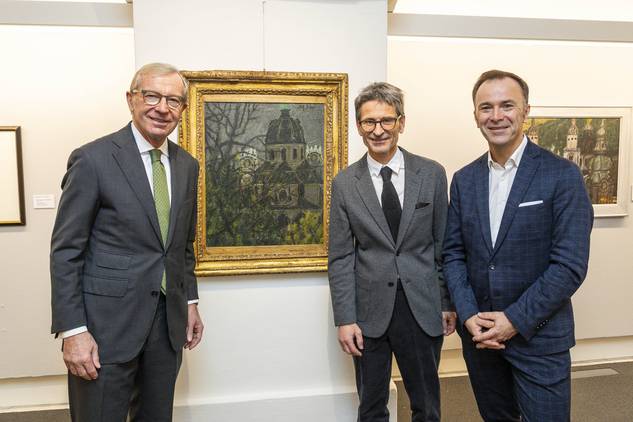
x=592 y=143
x=264 y=173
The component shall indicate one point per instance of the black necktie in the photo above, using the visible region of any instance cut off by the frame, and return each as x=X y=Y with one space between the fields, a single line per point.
x=390 y=202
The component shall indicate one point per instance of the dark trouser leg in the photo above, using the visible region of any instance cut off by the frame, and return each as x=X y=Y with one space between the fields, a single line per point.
x=153 y=394
x=418 y=357
x=542 y=386
x=373 y=372
x=492 y=381
x=105 y=399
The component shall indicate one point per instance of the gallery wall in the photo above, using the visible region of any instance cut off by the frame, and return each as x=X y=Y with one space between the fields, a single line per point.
x=268 y=337
x=270 y=346
x=64 y=87
x=588 y=10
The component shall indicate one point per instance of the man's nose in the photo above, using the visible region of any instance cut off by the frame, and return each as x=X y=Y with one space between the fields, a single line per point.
x=378 y=130
x=497 y=113
x=162 y=105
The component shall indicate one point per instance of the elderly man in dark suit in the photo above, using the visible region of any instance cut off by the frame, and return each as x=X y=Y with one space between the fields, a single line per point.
x=124 y=296
x=387 y=221
x=516 y=250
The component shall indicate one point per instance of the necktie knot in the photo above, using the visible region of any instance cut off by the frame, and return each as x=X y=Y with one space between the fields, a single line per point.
x=385 y=173
x=155 y=155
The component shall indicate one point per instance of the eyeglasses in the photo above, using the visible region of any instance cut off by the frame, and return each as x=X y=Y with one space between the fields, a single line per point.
x=152 y=98
x=387 y=123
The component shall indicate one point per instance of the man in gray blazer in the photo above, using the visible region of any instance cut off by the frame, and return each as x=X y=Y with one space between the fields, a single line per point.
x=385 y=269
x=124 y=296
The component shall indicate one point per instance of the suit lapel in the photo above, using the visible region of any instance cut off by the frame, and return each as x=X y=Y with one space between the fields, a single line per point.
x=412 y=184
x=178 y=188
x=481 y=197
x=129 y=160
x=367 y=192
x=525 y=173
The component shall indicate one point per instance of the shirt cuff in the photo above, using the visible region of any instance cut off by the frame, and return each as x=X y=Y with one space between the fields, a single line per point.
x=73 y=332
x=191 y=302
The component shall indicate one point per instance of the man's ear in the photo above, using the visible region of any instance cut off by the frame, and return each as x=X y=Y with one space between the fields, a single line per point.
x=128 y=97
x=475 y=117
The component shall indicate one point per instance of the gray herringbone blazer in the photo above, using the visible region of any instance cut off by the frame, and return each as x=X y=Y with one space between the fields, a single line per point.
x=365 y=264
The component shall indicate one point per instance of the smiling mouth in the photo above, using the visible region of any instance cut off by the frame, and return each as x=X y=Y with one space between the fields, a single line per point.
x=498 y=129
x=379 y=141
x=158 y=121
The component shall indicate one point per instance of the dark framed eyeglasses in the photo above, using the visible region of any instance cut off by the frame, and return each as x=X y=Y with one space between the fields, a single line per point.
x=152 y=98
x=387 y=123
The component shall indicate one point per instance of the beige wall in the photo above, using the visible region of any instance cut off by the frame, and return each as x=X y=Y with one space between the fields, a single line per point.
x=64 y=87
x=270 y=344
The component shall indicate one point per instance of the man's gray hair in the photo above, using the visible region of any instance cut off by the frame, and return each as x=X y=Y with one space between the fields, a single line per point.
x=383 y=92
x=158 y=69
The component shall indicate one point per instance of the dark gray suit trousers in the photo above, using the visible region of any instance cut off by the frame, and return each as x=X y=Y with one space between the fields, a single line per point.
x=144 y=386
x=418 y=358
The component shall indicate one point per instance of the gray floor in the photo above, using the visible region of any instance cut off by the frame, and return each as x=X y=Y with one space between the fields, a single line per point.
x=595 y=398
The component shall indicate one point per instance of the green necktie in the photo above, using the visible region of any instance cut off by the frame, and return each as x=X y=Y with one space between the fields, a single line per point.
x=161 y=201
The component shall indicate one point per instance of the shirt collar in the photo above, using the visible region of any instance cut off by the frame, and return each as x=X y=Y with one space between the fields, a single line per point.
x=395 y=164
x=143 y=144
x=514 y=159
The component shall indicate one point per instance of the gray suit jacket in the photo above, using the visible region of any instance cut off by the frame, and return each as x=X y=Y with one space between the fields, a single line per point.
x=107 y=255
x=364 y=263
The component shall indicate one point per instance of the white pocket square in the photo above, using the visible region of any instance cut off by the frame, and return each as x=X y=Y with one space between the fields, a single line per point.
x=528 y=204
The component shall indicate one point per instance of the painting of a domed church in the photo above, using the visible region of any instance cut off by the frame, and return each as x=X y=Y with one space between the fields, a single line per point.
x=590 y=142
x=264 y=173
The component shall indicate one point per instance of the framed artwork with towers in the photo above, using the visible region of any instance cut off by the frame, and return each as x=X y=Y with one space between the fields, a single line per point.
x=597 y=140
x=269 y=145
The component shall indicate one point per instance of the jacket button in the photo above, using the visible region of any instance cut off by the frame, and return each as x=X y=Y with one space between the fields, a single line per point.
x=491 y=267
x=390 y=284
x=154 y=293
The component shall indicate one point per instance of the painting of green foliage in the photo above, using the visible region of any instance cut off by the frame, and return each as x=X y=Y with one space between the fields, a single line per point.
x=264 y=173
x=592 y=143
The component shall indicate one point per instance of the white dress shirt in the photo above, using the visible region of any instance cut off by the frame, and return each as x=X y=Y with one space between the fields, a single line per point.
x=144 y=148
x=396 y=164
x=500 y=179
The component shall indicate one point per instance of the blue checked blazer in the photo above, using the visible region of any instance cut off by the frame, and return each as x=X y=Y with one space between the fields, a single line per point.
x=540 y=255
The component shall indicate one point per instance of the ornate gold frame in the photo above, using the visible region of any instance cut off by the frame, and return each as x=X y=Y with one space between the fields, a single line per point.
x=11 y=162
x=329 y=89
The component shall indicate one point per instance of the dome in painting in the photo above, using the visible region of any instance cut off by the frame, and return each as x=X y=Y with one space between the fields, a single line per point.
x=285 y=130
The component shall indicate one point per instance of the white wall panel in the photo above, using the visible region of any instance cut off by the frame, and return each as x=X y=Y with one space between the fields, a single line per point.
x=267 y=337
x=64 y=87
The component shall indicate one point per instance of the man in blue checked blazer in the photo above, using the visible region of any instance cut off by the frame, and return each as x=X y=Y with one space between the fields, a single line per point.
x=515 y=251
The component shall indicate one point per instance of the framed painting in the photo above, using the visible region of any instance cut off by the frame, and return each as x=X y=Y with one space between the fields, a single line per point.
x=597 y=140
x=11 y=179
x=269 y=145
